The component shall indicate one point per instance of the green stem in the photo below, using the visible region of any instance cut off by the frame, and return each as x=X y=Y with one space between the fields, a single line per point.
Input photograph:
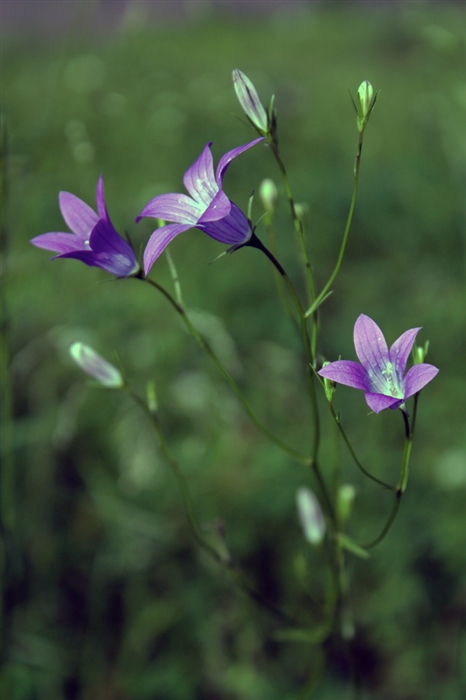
x=401 y=486
x=298 y=456
x=349 y=220
x=224 y=559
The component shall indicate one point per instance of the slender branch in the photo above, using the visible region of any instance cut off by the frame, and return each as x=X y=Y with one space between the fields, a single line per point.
x=298 y=456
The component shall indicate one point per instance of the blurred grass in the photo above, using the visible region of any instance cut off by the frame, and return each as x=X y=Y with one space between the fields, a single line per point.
x=106 y=593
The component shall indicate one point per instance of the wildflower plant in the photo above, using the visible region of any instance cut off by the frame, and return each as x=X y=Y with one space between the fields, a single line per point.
x=324 y=506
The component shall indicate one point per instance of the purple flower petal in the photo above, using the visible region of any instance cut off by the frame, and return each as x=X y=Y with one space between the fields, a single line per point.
x=100 y=200
x=58 y=242
x=199 y=179
x=109 y=251
x=178 y=208
x=399 y=351
x=159 y=241
x=372 y=351
x=234 y=229
x=225 y=160
x=219 y=208
x=77 y=214
x=379 y=402
x=346 y=372
x=417 y=377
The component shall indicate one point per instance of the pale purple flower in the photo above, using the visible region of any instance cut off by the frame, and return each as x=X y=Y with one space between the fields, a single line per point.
x=93 y=240
x=381 y=374
x=96 y=366
x=207 y=208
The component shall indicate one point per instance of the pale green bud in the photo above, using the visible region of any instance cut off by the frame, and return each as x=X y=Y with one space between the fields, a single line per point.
x=310 y=515
x=301 y=210
x=329 y=386
x=96 y=366
x=151 y=396
x=269 y=195
x=345 y=500
x=250 y=101
x=420 y=353
x=365 y=104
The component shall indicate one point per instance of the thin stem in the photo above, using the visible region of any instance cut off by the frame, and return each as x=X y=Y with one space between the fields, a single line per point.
x=298 y=456
x=349 y=220
x=353 y=454
x=224 y=559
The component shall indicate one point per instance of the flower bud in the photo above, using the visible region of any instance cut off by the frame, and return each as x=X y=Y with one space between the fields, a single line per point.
x=345 y=501
x=250 y=101
x=310 y=515
x=420 y=353
x=96 y=367
x=366 y=101
x=269 y=195
x=329 y=386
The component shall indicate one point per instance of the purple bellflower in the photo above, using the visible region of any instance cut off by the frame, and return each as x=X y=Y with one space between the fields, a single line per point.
x=207 y=208
x=93 y=240
x=381 y=374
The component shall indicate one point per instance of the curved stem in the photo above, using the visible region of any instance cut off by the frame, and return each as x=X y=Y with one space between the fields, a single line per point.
x=223 y=559
x=298 y=456
x=349 y=220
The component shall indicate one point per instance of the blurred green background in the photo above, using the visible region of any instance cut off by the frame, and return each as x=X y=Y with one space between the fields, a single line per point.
x=106 y=594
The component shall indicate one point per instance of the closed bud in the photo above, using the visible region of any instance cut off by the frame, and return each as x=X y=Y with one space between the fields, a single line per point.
x=250 y=101
x=310 y=515
x=151 y=396
x=345 y=501
x=420 y=353
x=329 y=386
x=269 y=195
x=96 y=366
x=365 y=104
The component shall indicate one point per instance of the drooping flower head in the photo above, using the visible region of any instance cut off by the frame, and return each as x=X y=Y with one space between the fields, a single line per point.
x=93 y=240
x=207 y=208
x=381 y=374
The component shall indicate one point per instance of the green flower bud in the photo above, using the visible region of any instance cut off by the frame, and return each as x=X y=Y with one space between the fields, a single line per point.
x=420 y=353
x=345 y=500
x=329 y=386
x=250 y=101
x=310 y=516
x=269 y=195
x=96 y=367
x=365 y=104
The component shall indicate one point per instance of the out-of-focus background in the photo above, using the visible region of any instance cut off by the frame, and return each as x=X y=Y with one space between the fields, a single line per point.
x=106 y=595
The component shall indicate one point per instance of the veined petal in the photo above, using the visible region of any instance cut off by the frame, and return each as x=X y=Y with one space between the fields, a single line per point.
x=399 y=352
x=225 y=160
x=100 y=200
x=417 y=377
x=115 y=254
x=379 y=402
x=59 y=242
x=178 y=208
x=159 y=241
x=233 y=229
x=78 y=215
x=346 y=372
x=199 y=179
x=372 y=352
x=219 y=208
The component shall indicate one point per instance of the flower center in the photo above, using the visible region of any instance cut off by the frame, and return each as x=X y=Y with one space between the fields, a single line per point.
x=391 y=382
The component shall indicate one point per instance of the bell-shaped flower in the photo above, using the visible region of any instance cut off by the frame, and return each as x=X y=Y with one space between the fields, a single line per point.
x=207 y=208
x=93 y=240
x=381 y=374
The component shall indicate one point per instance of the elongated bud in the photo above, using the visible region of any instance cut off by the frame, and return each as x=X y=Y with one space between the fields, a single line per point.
x=268 y=194
x=310 y=516
x=345 y=501
x=151 y=396
x=329 y=386
x=365 y=104
x=96 y=366
x=250 y=101
x=420 y=353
